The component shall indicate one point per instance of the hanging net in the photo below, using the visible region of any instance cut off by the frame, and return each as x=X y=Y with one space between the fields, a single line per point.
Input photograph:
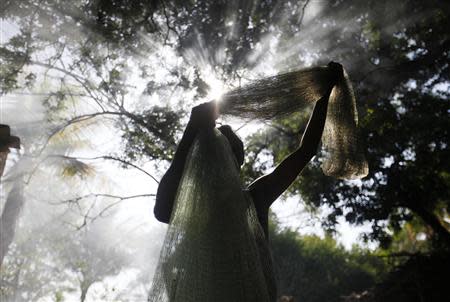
x=215 y=249
x=284 y=94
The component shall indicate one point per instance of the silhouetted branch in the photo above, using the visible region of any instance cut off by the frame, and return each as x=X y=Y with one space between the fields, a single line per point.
x=401 y=254
x=84 y=117
x=408 y=66
x=300 y=20
x=86 y=216
x=169 y=27
x=108 y=157
x=83 y=82
x=91 y=195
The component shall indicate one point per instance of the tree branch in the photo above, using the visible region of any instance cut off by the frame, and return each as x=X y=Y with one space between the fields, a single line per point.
x=108 y=157
x=169 y=27
x=302 y=15
x=86 y=216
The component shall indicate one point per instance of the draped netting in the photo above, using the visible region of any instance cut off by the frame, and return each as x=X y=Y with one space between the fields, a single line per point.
x=214 y=249
x=284 y=94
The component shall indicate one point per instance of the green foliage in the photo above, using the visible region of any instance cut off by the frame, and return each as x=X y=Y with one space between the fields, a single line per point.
x=28 y=269
x=419 y=278
x=151 y=134
x=403 y=119
x=56 y=260
x=13 y=56
x=395 y=52
x=314 y=269
x=372 y=35
x=412 y=238
x=59 y=296
x=74 y=167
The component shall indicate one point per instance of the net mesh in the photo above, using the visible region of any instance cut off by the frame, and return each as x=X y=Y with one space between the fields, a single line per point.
x=214 y=248
x=287 y=93
x=344 y=154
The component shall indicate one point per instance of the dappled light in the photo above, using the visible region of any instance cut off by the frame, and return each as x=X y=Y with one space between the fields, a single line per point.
x=351 y=158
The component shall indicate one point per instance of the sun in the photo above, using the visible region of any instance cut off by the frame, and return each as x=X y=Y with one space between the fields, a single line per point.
x=217 y=87
x=216 y=91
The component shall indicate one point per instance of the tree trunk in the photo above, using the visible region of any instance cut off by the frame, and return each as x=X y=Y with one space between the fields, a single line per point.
x=15 y=287
x=83 y=294
x=10 y=215
x=3 y=157
x=84 y=290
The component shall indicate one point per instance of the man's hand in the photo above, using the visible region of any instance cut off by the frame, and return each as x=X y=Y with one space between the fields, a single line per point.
x=337 y=68
x=204 y=115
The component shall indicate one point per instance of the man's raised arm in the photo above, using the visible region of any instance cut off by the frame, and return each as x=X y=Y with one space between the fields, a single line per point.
x=202 y=116
x=266 y=189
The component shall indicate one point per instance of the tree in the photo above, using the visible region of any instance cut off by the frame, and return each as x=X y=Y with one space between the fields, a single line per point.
x=14 y=202
x=90 y=261
x=404 y=120
x=30 y=270
x=54 y=259
x=9 y=217
x=66 y=67
x=142 y=64
x=313 y=269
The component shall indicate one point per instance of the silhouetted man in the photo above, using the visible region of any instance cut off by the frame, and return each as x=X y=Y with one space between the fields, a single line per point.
x=264 y=190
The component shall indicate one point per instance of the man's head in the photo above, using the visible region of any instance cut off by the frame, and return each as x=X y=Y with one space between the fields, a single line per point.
x=235 y=142
x=7 y=140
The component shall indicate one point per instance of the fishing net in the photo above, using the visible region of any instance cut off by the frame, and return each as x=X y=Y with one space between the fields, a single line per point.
x=284 y=94
x=215 y=249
